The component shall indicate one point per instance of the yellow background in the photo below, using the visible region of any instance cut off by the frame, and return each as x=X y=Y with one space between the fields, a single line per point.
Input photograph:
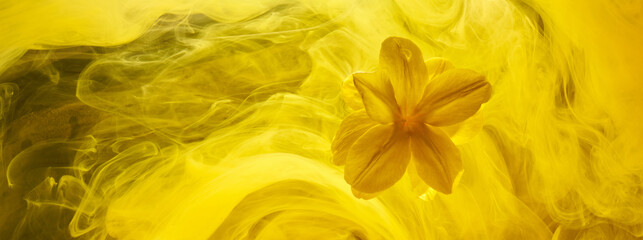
x=213 y=119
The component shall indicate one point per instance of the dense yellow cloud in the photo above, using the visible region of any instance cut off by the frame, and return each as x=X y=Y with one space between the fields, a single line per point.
x=214 y=119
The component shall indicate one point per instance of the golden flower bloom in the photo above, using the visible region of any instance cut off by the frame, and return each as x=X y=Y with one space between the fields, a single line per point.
x=402 y=110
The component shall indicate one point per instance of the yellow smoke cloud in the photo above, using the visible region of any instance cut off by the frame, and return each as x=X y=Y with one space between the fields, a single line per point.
x=213 y=119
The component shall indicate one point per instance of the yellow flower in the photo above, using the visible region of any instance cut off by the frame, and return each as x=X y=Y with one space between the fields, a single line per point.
x=402 y=112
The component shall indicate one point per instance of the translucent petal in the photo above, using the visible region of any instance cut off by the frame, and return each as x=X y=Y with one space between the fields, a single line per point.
x=353 y=127
x=378 y=159
x=377 y=95
x=436 y=158
x=418 y=186
x=436 y=66
x=453 y=96
x=466 y=130
x=363 y=195
x=351 y=95
x=402 y=62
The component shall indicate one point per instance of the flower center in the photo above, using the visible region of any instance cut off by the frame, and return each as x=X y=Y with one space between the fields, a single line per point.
x=408 y=123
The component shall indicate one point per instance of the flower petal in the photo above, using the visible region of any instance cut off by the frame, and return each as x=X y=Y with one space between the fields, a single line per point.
x=351 y=95
x=418 y=186
x=353 y=127
x=437 y=65
x=378 y=159
x=453 y=96
x=377 y=95
x=362 y=195
x=466 y=130
x=436 y=158
x=401 y=61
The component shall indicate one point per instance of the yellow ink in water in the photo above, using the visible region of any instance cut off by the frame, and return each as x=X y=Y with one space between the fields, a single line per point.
x=218 y=119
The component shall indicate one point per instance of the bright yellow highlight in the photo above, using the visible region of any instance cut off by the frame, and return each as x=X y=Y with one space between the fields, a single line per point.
x=215 y=119
x=404 y=106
